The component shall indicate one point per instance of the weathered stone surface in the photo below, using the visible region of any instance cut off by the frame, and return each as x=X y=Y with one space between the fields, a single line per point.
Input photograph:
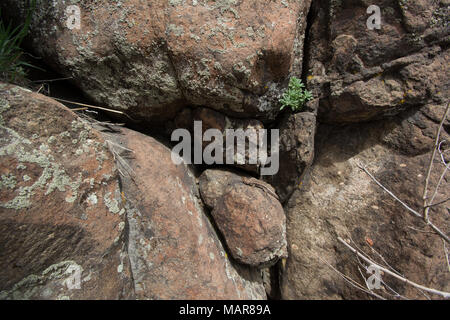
x=297 y=132
x=246 y=133
x=61 y=215
x=149 y=58
x=361 y=74
x=174 y=250
x=213 y=184
x=249 y=215
x=340 y=200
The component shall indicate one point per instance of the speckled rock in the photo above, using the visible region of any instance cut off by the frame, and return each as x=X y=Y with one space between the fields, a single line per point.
x=62 y=221
x=174 y=250
x=361 y=74
x=247 y=212
x=149 y=58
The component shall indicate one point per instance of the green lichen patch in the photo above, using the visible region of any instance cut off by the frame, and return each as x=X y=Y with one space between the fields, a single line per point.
x=4 y=105
x=34 y=286
x=52 y=176
x=7 y=181
x=48 y=166
x=111 y=203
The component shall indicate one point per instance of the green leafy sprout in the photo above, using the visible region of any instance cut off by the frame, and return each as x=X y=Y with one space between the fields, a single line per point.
x=11 y=62
x=295 y=96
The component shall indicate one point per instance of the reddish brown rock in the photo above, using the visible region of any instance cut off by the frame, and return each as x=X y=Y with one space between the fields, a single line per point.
x=61 y=214
x=361 y=74
x=248 y=214
x=214 y=183
x=149 y=58
x=174 y=250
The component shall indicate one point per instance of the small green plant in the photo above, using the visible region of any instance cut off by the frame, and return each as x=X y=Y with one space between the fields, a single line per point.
x=11 y=62
x=295 y=96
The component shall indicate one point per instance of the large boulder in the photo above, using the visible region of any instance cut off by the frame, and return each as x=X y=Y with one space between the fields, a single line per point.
x=149 y=58
x=62 y=220
x=248 y=214
x=361 y=74
x=341 y=200
x=174 y=250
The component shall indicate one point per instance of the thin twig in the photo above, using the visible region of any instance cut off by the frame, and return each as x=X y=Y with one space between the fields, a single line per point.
x=384 y=260
x=446 y=255
x=94 y=107
x=393 y=274
x=396 y=294
x=52 y=80
x=418 y=230
x=438 y=203
x=441 y=178
x=389 y=192
x=385 y=285
x=436 y=229
x=441 y=153
x=104 y=124
x=426 y=208
x=349 y=280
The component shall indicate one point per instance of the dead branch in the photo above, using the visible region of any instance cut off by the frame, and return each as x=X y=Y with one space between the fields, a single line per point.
x=446 y=255
x=417 y=214
x=94 y=107
x=352 y=282
x=426 y=208
x=393 y=274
